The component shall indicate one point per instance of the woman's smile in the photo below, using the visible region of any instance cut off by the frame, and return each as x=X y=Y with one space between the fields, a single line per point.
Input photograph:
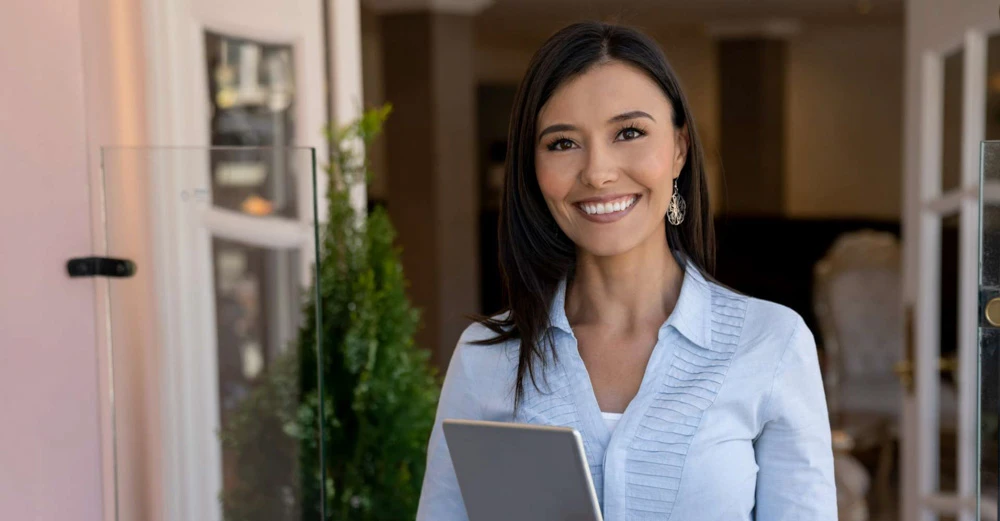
x=607 y=209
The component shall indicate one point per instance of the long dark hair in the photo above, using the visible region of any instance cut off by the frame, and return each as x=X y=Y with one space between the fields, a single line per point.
x=535 y=254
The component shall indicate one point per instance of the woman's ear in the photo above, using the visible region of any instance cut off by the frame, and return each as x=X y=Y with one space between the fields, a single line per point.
x=682 y=140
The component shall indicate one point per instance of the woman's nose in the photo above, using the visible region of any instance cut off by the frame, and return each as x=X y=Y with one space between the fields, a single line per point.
x=600 y=168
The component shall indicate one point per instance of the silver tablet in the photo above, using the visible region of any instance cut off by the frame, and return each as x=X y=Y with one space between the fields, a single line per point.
x=525 y=472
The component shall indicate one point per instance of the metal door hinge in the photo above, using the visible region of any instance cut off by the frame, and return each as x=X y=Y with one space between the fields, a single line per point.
x=100 y=267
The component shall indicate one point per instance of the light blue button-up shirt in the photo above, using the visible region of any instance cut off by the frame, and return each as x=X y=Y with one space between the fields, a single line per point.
x=730 y=421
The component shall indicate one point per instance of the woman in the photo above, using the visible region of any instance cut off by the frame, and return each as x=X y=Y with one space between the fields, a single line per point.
x=694 y=402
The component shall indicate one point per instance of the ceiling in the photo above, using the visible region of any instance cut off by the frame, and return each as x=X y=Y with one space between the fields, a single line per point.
x=531 y=21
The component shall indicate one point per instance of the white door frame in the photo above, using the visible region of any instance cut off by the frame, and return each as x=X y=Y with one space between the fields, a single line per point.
x=190 y=473
x=937 y=28
x=164 y=478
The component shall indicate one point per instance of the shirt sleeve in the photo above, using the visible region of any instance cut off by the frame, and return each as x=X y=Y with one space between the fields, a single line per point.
x=795 y=479
x=440 y=497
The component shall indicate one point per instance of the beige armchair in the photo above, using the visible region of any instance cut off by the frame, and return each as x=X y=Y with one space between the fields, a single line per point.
x=857 y=300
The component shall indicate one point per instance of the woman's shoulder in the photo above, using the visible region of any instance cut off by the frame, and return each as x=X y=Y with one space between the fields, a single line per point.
x=482 y=371
x=478 y=332
x=747 y=315
x=772 y=317
x=479 y=353
x=774 y=327
x=761 y=323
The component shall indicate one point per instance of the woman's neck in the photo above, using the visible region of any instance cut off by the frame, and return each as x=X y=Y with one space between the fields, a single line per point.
x=626 y=292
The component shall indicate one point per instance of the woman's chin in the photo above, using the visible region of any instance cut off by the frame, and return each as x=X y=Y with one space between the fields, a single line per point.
x=610 y=247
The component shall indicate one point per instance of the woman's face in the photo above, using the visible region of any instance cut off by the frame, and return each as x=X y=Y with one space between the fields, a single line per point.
x=606 y=155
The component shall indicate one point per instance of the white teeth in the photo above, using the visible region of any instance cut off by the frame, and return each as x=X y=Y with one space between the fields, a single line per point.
x=610 y=207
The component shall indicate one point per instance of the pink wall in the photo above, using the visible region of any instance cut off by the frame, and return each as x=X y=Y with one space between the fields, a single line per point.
x=50 y=459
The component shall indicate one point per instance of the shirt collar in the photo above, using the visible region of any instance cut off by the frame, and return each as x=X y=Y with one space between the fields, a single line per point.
x=691 y=316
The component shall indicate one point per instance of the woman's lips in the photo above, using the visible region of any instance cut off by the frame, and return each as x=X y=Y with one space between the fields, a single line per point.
x=608 y=211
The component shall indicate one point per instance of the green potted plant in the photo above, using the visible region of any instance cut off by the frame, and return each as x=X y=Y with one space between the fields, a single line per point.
x=379 y=389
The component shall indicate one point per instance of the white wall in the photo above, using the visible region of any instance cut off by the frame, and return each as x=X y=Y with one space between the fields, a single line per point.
x=50 y=440
x=114 y=63
x=844 y=122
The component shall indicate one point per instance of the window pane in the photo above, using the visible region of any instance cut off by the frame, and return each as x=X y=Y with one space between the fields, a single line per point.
x=251 y=87
x=951 y=135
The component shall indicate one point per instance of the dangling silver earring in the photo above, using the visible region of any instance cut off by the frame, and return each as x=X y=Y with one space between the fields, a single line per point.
x=677 y=207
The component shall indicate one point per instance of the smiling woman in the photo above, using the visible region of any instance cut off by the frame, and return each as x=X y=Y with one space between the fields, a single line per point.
x=692 y=401
x=633 y=154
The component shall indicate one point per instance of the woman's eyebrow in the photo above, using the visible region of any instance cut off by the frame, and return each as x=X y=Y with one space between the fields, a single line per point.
x=559 y=127
x=631 y=115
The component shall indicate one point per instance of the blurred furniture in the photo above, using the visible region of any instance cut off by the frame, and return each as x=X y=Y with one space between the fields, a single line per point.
x=772 y=258
x=858 y=306
x=852 y=487
x=857 y=301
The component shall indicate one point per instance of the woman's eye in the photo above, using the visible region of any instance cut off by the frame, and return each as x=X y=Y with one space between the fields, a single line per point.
x=561 y=144
x=630 y=133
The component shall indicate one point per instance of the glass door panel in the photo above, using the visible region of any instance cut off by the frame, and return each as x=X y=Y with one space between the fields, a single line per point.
x=214 y=392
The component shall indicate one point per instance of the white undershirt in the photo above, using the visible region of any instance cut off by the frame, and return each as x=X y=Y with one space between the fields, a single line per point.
x=611 y=418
